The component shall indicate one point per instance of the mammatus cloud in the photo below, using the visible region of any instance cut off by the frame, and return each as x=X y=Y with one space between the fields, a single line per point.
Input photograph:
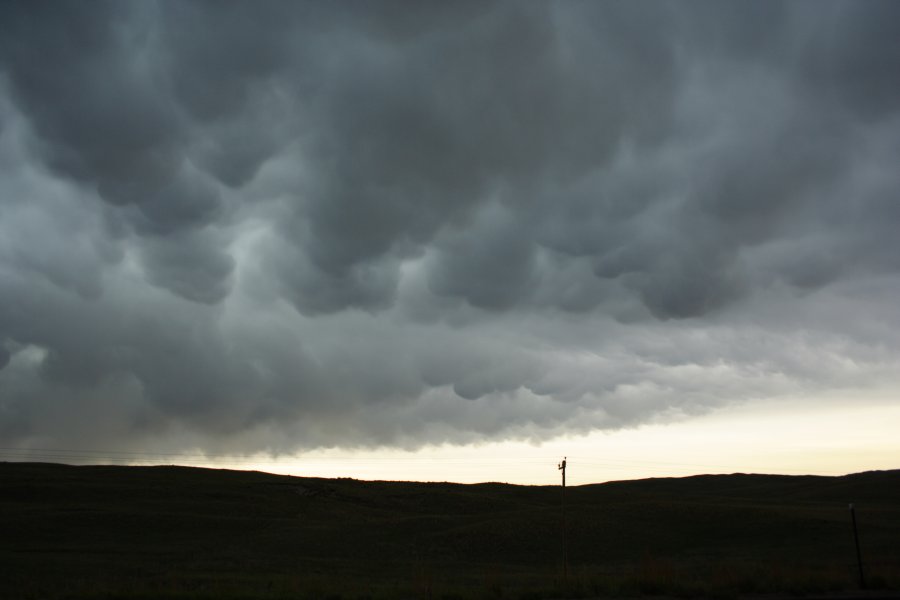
x=243 y=227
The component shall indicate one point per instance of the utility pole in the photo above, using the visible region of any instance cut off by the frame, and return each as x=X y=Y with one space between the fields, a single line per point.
x=862 y=580
x=562 y=467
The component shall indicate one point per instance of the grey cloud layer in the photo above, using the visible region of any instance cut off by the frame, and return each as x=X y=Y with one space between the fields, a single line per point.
x=277 y=226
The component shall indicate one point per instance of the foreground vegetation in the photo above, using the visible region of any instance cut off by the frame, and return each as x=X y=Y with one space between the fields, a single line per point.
x=176 y=532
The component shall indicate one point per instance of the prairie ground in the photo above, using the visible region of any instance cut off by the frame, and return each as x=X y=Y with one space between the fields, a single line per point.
x=178 y=532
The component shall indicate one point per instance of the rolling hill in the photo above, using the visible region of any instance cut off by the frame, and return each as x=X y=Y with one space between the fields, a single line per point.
x=180 y=532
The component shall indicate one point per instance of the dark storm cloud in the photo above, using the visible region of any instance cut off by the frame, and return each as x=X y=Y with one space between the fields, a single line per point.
x=302 y=224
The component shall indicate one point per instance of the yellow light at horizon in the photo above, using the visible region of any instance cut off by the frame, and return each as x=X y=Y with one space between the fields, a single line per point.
x=830 y=438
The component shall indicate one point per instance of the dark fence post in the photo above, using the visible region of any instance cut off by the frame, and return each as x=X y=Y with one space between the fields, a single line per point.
x=862 y=579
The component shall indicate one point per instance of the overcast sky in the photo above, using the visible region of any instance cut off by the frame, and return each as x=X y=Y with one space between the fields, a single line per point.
x=278 y=227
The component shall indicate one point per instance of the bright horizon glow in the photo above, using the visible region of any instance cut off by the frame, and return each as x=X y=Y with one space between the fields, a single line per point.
x=836 y=434
x=791 y=438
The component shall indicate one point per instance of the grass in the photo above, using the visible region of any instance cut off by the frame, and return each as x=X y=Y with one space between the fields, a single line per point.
x=176 y=532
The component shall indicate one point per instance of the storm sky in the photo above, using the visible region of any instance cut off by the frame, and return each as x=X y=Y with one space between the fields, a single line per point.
x=273 y=227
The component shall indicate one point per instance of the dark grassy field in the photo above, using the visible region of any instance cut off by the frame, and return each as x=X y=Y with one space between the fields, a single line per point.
x=175 y=532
